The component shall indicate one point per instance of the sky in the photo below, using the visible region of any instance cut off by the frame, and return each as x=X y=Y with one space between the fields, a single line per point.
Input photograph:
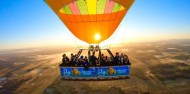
x=31 y=23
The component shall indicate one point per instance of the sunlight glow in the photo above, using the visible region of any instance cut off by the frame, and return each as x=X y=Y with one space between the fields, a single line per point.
x=97 y=36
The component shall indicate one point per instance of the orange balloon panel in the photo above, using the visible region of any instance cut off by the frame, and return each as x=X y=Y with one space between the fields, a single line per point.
x=87 y=30
x=92 y=23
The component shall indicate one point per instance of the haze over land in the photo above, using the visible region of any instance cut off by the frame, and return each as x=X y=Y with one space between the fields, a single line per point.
x=161 y=67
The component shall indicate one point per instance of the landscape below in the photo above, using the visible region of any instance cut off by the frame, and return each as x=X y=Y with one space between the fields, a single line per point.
x=161 y=67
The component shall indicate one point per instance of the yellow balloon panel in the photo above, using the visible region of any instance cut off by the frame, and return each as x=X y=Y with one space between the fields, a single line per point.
x=91 y=4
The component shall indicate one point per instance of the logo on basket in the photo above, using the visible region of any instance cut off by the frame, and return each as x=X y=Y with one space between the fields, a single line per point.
x=111 y=71
x=75 y=71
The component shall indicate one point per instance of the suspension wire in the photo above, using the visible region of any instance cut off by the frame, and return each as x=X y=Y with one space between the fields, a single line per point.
x=116 y=33
x=77 y=27
x=124 y=24
x=73 y=38
x=125 y=32
x=67 y=29
x=118 y=29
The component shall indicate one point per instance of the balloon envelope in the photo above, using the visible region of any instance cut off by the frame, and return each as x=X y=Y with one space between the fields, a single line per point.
x=92 y=21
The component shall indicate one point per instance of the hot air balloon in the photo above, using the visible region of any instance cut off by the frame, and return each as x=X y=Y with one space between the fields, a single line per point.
x=91 y=21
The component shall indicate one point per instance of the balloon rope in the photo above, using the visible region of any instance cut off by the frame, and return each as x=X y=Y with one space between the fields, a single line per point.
x=116 y=34
x=74 y=39
x=70 y=34
x=125 y=32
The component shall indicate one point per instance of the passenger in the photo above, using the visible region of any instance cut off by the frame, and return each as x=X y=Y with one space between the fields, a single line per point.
x=122 y=60
x=107 y=61
x=111 y=61
x=85 y=63
x=93 y=59
x=102 y=56
x=72 y=59
x=116 y=59
x=65 y=60
x=85 y=58
x=103 y=60
x=80 y=62
x=103 y=63
x=77 y=63
x=126 y=60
